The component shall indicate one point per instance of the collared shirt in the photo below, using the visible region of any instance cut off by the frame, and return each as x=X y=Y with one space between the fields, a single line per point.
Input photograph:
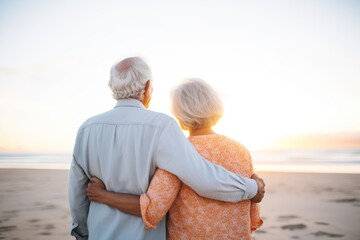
x=123 y=147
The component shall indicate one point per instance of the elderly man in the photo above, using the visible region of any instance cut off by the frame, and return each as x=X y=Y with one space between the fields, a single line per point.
x=125 y=145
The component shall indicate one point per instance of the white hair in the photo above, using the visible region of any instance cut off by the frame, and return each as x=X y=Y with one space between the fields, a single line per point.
x=128 y=78
x=196 y=104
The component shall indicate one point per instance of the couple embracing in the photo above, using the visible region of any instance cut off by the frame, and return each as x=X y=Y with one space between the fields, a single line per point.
x=134 y=175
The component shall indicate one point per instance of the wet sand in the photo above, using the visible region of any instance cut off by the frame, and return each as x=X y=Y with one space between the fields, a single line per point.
x=33 y=205
x=310 y=206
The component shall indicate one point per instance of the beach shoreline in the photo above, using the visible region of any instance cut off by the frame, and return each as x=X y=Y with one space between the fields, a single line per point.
x=297 y=205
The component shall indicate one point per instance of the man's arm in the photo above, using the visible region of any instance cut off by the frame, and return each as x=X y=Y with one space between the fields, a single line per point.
x=78 y=202
x=175 y=154
x=261 y=189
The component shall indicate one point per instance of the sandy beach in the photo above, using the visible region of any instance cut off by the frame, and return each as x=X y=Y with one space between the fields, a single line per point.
x=33 y=205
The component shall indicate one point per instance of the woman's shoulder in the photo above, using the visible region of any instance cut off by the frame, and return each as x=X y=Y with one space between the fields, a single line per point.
x=224 y=151
x=231 y=142
x=219 y=141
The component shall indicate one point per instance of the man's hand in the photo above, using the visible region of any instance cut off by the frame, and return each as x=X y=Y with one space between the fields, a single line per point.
x=95 y=189
x=261 y=189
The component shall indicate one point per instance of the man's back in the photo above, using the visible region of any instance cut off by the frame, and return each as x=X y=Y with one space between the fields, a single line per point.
x=118 y=147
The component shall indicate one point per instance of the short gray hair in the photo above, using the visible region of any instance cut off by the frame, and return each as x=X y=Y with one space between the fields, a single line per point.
x=128 y=78
x=196 y=104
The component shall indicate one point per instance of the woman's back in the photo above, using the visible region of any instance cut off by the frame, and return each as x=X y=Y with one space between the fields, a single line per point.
x=195 y=217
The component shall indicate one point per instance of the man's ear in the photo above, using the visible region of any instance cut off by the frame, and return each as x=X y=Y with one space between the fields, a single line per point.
x=147 y=94
x=148 y=88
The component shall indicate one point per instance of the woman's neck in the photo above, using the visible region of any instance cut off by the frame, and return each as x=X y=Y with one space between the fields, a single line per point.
x=201 y=131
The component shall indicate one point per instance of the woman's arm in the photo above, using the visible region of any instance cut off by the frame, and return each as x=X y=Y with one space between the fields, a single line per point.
x=152 y=206
x=156 y=202
x=127 y=203
x=255 y=218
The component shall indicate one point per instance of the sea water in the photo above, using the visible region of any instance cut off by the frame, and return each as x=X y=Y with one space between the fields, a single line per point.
x=322 y=161
x=35 y=161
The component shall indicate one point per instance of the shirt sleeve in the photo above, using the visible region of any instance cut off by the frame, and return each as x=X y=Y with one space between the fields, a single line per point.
x=175 y=154
x=159 y=197
x=78 y=201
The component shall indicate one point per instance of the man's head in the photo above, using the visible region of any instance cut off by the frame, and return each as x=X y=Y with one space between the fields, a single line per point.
x=131 y=78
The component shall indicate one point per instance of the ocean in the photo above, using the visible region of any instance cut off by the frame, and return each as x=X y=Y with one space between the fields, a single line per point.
x=320 y=161
x=315 y=161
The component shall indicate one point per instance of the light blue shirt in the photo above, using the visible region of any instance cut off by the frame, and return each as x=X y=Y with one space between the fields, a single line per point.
x=123 y=147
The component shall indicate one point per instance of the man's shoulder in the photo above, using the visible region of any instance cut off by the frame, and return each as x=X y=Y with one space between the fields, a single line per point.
x=157 y=118
x=95 y=119
x=140 y=116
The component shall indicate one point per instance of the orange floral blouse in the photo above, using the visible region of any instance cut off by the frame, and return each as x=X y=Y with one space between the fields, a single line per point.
x=191 y=216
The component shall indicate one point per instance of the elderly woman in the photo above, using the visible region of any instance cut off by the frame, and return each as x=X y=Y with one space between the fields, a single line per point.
x=198 y=108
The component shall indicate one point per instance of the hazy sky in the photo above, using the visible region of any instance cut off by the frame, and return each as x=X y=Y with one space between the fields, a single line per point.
x=283 y=67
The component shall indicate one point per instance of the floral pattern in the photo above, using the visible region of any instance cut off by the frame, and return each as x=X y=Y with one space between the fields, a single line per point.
x=193 y=217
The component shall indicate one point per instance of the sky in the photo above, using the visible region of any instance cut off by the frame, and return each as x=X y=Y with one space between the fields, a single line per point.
x=283 y=68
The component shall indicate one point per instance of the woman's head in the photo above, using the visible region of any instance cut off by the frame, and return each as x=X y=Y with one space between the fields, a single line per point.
x=196 y=104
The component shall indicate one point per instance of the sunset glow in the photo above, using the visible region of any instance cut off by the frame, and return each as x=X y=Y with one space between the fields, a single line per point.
x=284 y=69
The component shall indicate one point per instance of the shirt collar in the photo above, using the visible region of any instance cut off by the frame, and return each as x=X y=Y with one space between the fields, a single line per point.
x=129 y=102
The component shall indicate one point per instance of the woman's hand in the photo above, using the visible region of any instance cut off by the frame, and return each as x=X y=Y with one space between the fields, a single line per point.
x=127 y=203
x=96 y=189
